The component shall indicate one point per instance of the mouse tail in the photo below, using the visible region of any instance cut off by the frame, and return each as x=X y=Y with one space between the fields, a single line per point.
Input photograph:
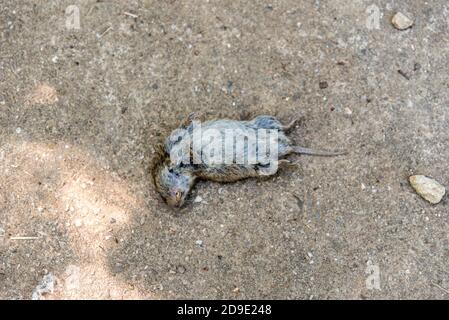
x=312 y=152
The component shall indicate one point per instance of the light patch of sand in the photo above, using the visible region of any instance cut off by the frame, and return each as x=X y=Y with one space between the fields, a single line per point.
x=92 y=204
x=90 y=282
x=42 y=94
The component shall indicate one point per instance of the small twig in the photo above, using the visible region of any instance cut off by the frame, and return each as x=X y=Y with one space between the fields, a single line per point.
x=105 y=31
x=28 y=173
x=402 y=73
x=13 y=72
x=131 y=15
x=24 y=238
x=90 y=11
x=440 y=287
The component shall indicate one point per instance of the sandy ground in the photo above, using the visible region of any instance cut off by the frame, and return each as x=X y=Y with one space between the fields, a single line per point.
x=81 y=110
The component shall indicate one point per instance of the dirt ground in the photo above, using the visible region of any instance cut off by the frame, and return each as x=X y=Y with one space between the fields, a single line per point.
x=81 y=110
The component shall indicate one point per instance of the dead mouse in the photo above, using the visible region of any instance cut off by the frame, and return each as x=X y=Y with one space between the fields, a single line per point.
x=174 y=177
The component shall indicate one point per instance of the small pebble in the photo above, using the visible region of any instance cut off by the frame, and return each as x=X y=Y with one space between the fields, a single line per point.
x=323 y=84
x=401 y=22
x=180 y=269
x=199 y=242
x=198 y=199
x=18 y=130
x=427 y=188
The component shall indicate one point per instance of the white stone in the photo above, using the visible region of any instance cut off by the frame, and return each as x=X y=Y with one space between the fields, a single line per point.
x=427 y=188
x=401 y=22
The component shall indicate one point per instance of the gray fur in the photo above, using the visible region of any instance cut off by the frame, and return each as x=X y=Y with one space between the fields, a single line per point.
x=175 y=180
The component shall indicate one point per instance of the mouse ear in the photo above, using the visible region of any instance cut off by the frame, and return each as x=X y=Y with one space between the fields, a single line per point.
x=187 y=121
x=245 y=115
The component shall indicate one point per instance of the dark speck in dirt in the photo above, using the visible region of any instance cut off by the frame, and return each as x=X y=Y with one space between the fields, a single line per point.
x=323 y=84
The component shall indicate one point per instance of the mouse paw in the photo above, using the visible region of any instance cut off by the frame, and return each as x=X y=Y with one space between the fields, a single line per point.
x=284 y=163
x=190 y=118
x=292 y=124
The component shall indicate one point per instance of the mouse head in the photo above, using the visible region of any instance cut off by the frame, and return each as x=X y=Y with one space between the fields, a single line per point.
x=173 y=183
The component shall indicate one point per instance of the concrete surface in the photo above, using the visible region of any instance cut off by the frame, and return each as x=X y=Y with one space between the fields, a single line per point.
x=81 y=110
